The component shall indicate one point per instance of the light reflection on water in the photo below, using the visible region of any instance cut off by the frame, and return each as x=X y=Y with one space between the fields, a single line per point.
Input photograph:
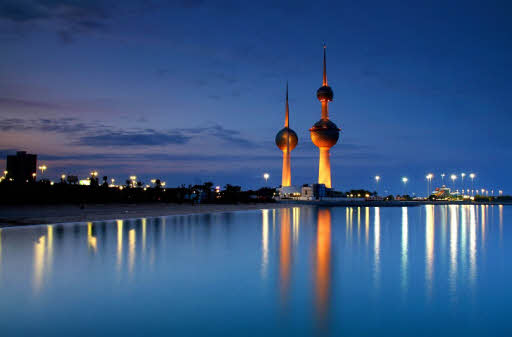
x=309 y=272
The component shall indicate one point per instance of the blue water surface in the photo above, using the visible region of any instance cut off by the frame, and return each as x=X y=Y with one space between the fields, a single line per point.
x=299 y=271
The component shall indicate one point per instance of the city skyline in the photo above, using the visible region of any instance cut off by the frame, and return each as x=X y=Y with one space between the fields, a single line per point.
x=152 y=91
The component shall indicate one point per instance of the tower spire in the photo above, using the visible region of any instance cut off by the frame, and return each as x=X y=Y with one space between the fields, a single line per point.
x=287 y=116
x=325 y=67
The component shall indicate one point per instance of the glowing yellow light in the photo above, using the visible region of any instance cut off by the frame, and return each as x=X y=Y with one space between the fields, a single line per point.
x=120 y=187
x=133 y=177
x=5 y=173
x=163 y=183
x=472 y=176
x=377 y=178
x=153 y=181
x=63 y=177
x=405 y=180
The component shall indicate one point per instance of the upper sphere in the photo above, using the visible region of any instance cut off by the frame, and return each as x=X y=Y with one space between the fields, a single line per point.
x=324 y=93
x=324 y=133
x=285 y=135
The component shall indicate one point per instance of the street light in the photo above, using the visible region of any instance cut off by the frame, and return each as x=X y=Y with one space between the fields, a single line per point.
x=442 y=178
x=266 y=176
x=404 y=180
x=42 y=168
x=429 y=179
x=377 y=178
x=472 y=176
x=453 y=177
x=462 y=175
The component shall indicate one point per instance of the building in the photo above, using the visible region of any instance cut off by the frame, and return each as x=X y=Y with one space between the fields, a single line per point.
x=21 y=167
x=286 y=141
x=324 y=133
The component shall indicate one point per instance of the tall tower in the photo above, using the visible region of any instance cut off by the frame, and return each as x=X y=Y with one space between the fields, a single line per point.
x=286 y=141
x=324 y=133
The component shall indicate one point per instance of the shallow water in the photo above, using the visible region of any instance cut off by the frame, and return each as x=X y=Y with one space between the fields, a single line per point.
x=302 y=271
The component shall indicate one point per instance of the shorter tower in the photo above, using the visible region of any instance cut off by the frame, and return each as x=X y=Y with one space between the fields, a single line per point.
x=286 y=141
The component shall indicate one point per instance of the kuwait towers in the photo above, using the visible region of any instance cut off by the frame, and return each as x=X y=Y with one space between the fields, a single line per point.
x=286 y=141
x=324 y=133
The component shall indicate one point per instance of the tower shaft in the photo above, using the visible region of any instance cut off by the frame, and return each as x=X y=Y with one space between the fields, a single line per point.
x=324 y=167
x=325 y=110
x=286 y=179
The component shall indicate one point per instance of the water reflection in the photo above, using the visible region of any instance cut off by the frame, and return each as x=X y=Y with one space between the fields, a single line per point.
x=453 y=248
x=472 y=244
x=296 y=224
x=119 y=244
x=144 y=231
x=285 y=255
x=323 y=266
x=91 y=239
x=405 y=243
x=429 y=243
x=39 y=262
x=431 y=257
x=376 y=246
x=264 y=242
x=131 y=250
x=367 y=224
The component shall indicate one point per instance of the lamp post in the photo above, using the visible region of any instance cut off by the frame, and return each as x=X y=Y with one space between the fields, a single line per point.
x=462 y=175
x=429 y=181
x=442 y=178
x=377 y=178
x=472 y=176
x=266 y=176
x=453 y=177
x=42 y=168
x=404 y=180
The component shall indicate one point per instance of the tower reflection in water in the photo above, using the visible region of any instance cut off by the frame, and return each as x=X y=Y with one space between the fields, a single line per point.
x=323 y=267
x=285 y=255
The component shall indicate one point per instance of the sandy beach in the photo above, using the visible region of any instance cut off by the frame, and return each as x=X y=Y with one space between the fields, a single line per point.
x=50 y=214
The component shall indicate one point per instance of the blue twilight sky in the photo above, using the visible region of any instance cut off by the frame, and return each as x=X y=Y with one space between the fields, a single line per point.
x=192 y=91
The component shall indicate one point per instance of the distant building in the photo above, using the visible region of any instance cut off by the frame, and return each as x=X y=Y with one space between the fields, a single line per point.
x=21 y=167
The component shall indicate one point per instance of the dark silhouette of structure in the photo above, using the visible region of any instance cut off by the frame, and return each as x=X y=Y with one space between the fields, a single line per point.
x=21 y=168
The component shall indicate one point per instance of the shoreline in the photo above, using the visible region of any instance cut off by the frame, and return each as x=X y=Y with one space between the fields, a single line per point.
x=28 y=215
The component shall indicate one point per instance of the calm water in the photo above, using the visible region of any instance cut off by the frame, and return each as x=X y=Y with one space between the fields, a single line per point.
x=424 y=271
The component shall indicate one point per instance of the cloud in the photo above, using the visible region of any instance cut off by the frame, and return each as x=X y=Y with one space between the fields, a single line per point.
x=95 y=134
x=7 y=102
x=133 y=138
x=70 y=17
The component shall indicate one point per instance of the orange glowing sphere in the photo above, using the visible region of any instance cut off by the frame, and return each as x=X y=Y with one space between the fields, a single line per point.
x=325 y=93
x=324 y=133
x=284 y=136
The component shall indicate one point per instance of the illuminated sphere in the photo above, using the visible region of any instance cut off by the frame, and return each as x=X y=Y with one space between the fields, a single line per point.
x=283 y=136
x=324 y=94
x=324 y=133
